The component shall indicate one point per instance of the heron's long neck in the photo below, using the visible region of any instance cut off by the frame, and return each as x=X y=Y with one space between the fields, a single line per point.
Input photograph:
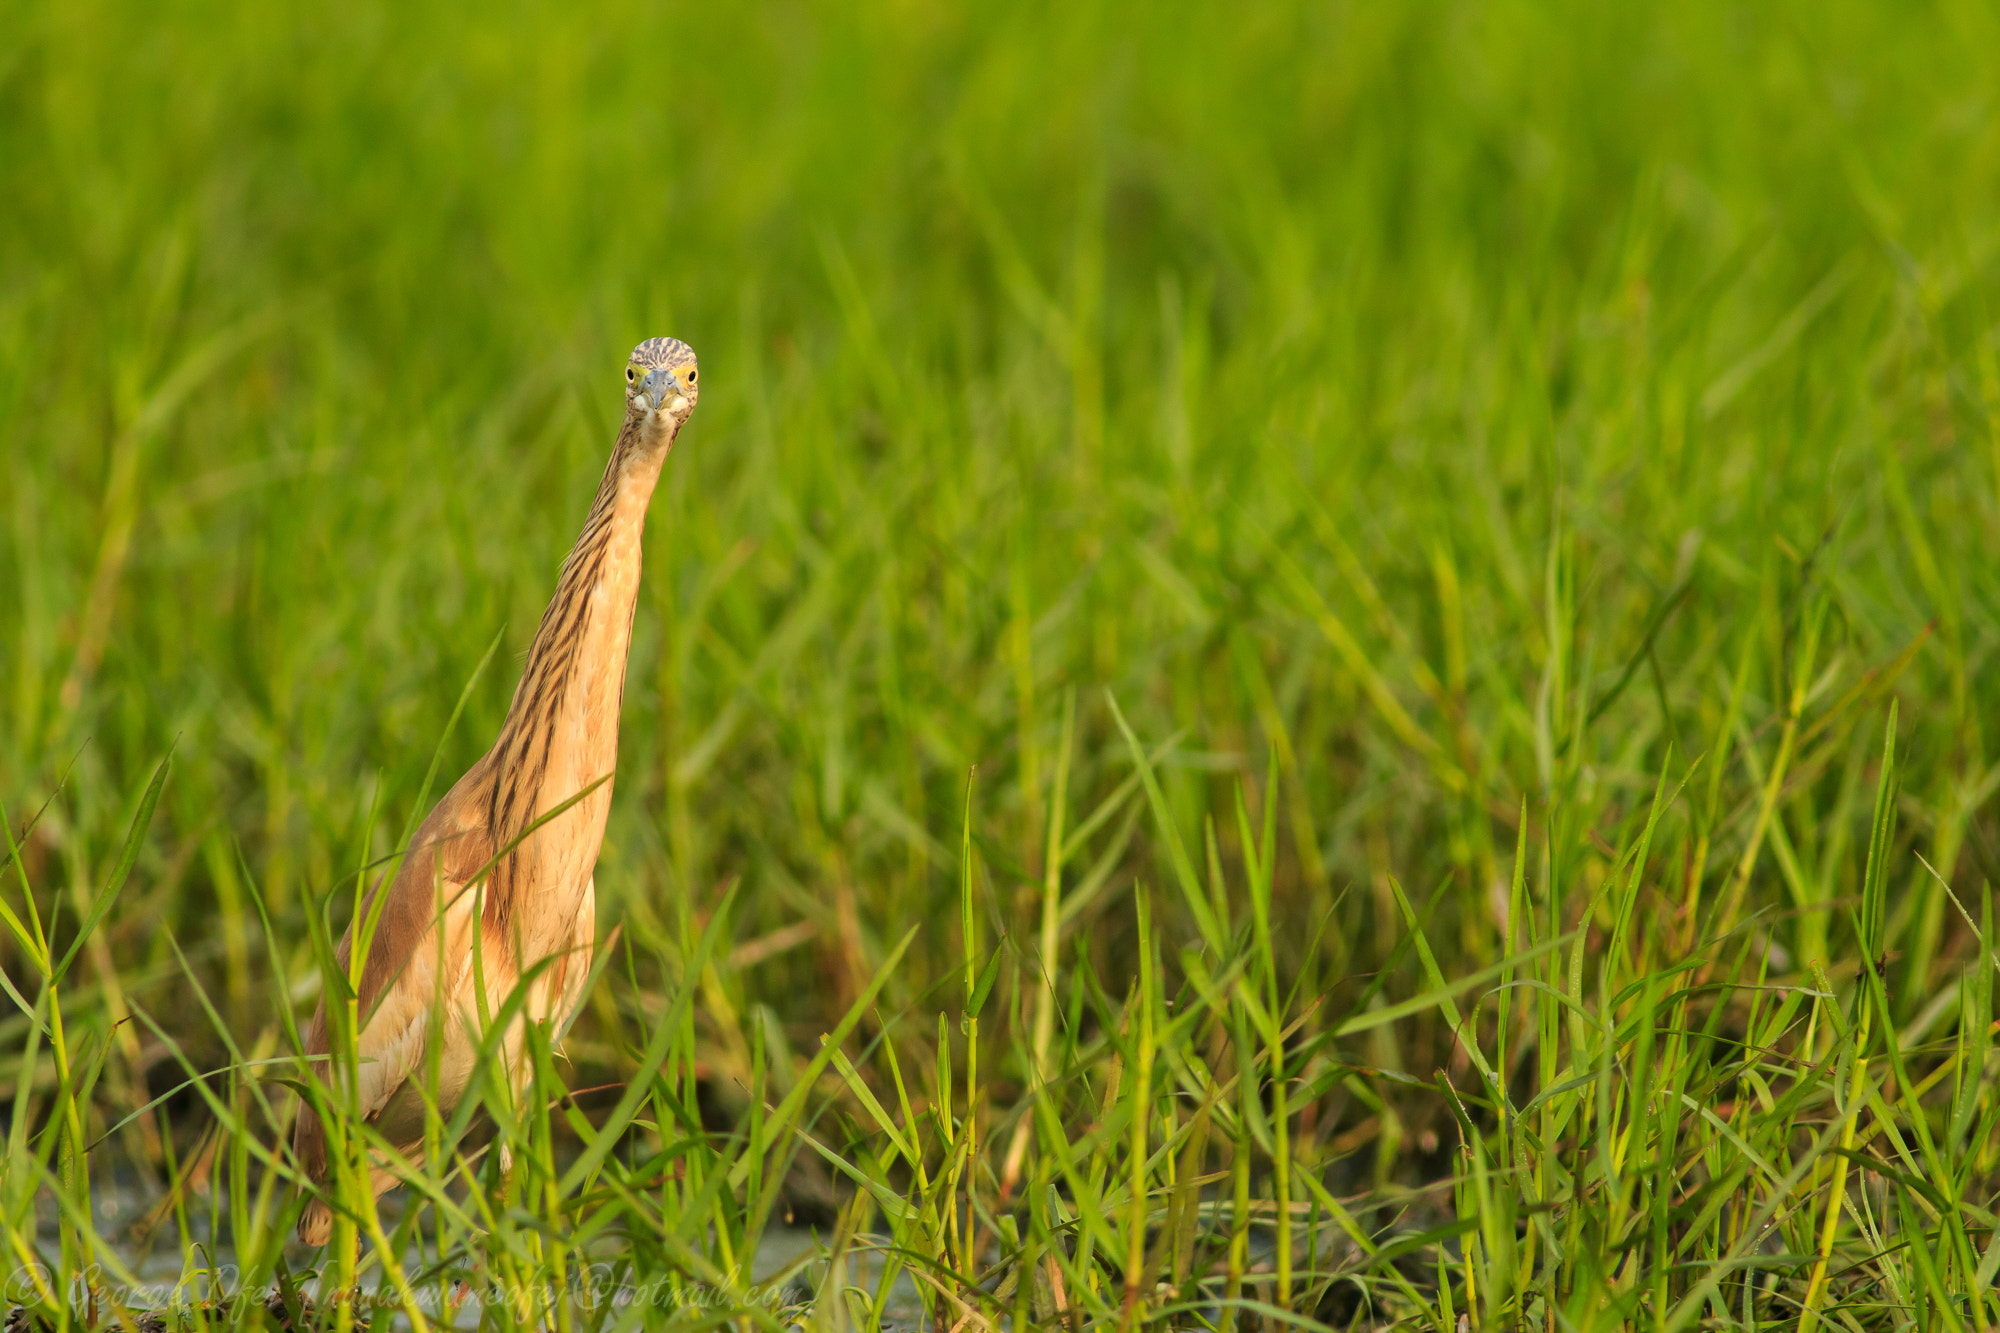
x=561 y=733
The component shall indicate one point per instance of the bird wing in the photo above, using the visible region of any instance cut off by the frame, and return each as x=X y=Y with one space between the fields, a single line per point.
x=400 y=980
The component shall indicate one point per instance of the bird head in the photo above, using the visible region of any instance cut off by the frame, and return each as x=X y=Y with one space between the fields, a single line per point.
x=660 y=382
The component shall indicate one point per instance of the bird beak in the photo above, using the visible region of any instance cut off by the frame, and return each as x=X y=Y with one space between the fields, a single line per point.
x=659 y=387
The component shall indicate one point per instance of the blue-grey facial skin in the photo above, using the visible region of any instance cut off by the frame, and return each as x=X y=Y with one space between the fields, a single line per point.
x=658 y=386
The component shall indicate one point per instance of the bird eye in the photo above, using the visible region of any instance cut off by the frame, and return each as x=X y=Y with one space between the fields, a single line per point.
x=630 y=374
x=690 y=377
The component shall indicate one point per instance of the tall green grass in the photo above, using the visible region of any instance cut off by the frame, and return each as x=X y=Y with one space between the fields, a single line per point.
x=1318 y=664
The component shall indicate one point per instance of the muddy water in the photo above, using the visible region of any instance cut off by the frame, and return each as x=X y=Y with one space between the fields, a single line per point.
x=167 y=1278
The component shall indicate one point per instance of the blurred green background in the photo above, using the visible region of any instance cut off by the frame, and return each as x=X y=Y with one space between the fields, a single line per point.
x=1357 y=384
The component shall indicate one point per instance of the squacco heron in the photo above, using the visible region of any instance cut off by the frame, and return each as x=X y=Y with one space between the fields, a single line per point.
x=459 y=884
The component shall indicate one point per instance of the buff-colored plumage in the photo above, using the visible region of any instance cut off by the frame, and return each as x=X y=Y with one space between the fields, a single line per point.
x=538 y=901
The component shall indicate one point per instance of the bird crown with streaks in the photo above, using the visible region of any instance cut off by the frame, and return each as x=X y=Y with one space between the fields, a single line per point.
x=662 y=352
